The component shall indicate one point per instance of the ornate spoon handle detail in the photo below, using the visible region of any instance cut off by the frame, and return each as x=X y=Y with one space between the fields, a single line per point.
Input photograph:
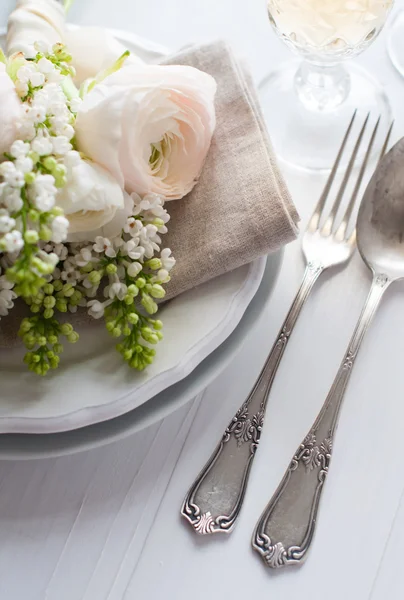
x=213 y=503
x=285 y=530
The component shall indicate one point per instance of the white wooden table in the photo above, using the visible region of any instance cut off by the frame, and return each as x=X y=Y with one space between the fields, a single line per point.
x=105 y=524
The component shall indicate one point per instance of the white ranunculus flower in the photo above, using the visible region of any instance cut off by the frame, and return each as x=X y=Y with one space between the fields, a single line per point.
x=111 y=229
x=93 y=50
x=151 y=126
x=32 y=21
x=10 y=111
x=90 y=198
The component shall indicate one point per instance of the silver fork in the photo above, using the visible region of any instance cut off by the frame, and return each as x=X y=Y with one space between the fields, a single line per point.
x=214 y=501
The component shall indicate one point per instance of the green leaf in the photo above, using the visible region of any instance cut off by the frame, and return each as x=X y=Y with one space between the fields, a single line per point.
x=67 y=4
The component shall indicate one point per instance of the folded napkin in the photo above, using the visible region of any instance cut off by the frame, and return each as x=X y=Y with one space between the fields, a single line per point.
x=241 y=208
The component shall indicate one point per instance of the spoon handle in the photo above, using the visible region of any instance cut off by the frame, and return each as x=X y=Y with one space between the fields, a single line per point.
x=214 y=501
x=285 y=530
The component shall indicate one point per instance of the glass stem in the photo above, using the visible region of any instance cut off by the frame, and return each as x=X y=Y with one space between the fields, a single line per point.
x=322 y=87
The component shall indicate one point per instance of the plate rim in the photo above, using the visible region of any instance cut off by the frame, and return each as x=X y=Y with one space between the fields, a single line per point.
x=160 y=406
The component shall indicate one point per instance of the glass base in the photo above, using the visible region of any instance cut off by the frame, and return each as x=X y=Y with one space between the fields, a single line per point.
x=395 y=43
x=307 y=135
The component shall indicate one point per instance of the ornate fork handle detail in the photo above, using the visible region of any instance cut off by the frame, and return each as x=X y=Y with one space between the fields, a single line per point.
x=214 y=501
x=286 y=528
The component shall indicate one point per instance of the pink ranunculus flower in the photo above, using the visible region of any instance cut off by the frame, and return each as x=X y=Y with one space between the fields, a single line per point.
x=10 y=111
x=151 y=126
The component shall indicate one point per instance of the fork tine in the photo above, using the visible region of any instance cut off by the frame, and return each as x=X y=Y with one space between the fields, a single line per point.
x=327 y=229
x=316 y=216
x=346 y=218
x=386 y=141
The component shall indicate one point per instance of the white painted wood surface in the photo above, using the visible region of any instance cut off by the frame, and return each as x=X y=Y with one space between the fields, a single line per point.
x=105 y=525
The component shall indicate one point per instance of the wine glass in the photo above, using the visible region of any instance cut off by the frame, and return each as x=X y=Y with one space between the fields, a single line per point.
x=395 y=42
x=307 y=104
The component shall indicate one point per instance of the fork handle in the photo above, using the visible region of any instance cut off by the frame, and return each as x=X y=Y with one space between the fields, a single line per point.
x=285 y=530
x=213 y=503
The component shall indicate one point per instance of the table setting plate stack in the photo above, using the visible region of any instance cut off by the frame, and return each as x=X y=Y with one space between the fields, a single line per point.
x=93 y=398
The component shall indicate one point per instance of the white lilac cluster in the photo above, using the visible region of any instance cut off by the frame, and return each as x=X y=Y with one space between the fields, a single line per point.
x=35 y=169
x=138 y=247
x=118 y=279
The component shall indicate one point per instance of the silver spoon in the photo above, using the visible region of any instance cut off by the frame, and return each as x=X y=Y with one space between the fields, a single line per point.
x=285 y=530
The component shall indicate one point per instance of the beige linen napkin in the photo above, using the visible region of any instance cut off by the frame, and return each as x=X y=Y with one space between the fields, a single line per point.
x=239 y=210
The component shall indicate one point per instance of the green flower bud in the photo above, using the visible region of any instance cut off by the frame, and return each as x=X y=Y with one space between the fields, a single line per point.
x=49 y=301
x=60 y=170
x=41 y=340
x=58 y=348
x=57 y=211
x=149 y=304
x=158 y=222
x=50 y=354
x=158 y=324
x=126 y=331
x=36 y=358
x=35 y=308
x=60 y=182
x=110 y=326
x=140 y=282
x=154 y=263
x=48 y=313
x=54 y=362
x=127 y=354
x=31 y=236
x=111 y=269
x=66 y=329
x=28 y=358
x=116 y=332
x=94 y=277
x=128 y=299
x=157 y=291
x=69 y=293
x=48 y=288
x=58 y=285
x=134 y=363
x=45 y=369
x=29 y=178
x=45 y=233
x=34 y=157
x=133 y=318
x=73 y=337
x=53 y=339
x=133 y=290
x=25 y=326
x=87 y=268
x=61 y=305
x=39 y=297
x=28 y=339
x=50 y=163
x=33 y=215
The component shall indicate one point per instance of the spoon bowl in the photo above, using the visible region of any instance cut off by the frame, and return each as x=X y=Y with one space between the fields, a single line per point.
x=380 y=224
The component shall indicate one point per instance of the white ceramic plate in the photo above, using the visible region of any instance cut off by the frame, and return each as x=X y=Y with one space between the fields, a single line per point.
x=93 y=384
x=26 y=446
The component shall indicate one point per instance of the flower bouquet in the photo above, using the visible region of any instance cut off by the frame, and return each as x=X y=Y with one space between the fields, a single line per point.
x=89 y=162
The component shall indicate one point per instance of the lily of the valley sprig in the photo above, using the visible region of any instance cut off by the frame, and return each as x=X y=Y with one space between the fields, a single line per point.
x=85 y=171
